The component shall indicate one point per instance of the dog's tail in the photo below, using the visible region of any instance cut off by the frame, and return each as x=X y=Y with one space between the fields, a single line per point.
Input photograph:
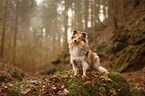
x=98 y=67
x=102 y=69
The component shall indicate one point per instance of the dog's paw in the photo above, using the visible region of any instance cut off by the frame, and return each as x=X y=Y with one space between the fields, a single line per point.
x=106 y=73
x=75 y=74
x=83 y=76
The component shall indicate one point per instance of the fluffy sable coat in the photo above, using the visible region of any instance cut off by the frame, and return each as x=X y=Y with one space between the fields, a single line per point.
x=81 y=55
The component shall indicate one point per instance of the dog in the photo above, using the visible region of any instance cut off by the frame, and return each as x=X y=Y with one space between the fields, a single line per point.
x=81 y=55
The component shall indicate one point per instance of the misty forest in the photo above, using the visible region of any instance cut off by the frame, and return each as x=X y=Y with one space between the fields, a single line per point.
x=34 y=47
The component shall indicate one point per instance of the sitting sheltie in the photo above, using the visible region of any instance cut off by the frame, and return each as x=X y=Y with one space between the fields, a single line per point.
x=81 y=55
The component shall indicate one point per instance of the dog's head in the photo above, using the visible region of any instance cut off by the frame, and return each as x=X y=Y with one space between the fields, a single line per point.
x=79 y=37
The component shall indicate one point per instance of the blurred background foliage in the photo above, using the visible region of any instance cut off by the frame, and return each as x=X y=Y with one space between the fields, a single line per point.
x=34 y=34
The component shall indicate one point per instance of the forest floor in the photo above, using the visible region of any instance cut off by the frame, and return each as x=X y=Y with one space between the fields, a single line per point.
x=136 y=79
x=13 y=78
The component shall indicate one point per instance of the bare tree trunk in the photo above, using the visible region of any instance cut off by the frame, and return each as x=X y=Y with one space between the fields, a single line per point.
x=79 y=11
x=66 y=24
x=41 y=46
x=115 y=15
x=98 y=10
x=15 y=34
x=94 y=20
x=86 y=13
x=75 y=15
x=110 y=11
x=78 y=15
x=3 y=30
x=122 y=12
x=115 y=23
x=92 y=13
x=73 y=18
x=104 y=9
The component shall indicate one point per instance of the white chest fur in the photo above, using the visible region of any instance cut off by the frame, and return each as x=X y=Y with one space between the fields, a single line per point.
x=74 y=51
x=75 y=54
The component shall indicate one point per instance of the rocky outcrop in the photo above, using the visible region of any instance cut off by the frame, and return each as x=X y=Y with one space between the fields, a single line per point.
x=129 y=45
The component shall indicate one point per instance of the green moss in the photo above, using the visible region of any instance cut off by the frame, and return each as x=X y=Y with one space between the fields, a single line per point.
x=16 y=75
x=21 y=83
x=142 y=19
x=132 y=21
x=4 y=78
x=76 y=87
x=129 y=45
x=122 y=58
x=137 y=92
x=95 y=84
x=12 y=92
x=124 y=66
x=126 y=56
x=22 y=74
x=106 y=50
x=119 y=83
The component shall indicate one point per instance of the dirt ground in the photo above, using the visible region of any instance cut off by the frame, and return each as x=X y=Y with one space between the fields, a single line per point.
x=136 y=78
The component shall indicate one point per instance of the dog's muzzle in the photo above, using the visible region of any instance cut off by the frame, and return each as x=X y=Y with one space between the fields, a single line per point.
x=75 y=41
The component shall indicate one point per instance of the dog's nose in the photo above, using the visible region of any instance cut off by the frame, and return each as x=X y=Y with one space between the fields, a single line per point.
x=75 y=41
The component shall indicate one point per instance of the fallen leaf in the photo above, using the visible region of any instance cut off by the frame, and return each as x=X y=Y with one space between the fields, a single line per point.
x=1 y=94
x=66 y=92
x=87 y=83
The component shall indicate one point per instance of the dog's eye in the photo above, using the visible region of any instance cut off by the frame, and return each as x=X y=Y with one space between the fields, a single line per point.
x=79 y=38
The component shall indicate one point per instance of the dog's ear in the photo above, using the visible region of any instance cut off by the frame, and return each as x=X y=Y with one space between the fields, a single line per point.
x=74 y=32
x=84 y=34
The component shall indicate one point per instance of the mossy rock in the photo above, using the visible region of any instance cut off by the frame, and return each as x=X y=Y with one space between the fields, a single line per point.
x=96 y=84
x=129 y=46
x=122 y=58
x=77 y=87
x=119 y=83
x=131 y=58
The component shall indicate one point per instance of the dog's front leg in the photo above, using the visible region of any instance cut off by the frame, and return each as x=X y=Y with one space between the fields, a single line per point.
x=74 y=66
x=75 y=69
x=85 y=67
